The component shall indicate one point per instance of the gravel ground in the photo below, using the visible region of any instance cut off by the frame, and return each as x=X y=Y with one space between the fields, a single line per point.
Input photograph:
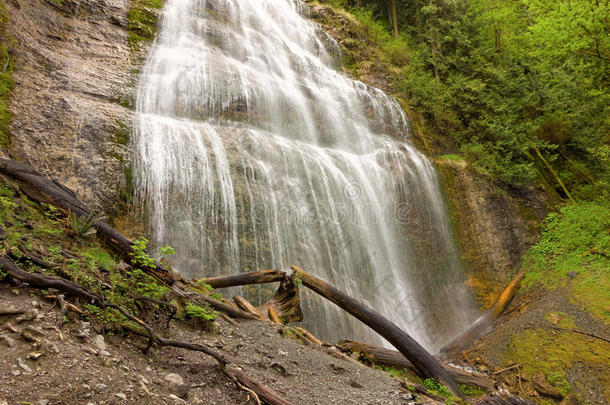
x=84 y=366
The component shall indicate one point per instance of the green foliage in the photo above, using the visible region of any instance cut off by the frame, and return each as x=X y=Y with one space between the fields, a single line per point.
x=435 y=388
x=470 y=390
x=167 y=250
x=195 y=311
x=204 y=285
x=146 y=285
x=83 y=227
x=140 y=257
x=501 y=81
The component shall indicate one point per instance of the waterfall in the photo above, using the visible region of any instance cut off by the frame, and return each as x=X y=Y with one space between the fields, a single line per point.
x=254 y=151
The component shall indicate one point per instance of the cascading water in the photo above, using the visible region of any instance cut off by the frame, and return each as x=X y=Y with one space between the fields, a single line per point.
x=254 y=152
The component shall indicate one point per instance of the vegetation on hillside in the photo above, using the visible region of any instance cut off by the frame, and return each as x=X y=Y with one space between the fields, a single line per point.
x=41 y=238
x=519 y=87
x=574 y=252
x=6 y=82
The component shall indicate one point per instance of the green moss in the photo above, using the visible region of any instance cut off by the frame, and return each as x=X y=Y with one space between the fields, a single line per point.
x=6 y=81
x=122 y=135
x=554 y=353
x=142 y=20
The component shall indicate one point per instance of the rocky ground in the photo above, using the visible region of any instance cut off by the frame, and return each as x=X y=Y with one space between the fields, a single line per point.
x=82 y=363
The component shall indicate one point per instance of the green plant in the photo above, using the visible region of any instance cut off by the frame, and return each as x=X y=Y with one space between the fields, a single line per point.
x=139 y=255
x=204 y=285
x=434 y=387
x=146 y=286
x=167 y=250
x=470 y=391
x=195 y=311
x=83 y=227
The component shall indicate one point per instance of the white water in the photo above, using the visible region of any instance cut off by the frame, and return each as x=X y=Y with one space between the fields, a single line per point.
x=253 y=151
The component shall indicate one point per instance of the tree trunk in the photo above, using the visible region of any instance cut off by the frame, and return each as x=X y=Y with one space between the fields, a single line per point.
x=285 y=303
x=392 y=358
x=424 y=363
x=253 y=277
x=394 y=19
x=466 y=338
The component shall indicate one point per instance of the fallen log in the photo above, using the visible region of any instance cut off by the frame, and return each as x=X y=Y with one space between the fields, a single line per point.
x=466 y=338
x=245 y=305
x=426 y=365
x=41 y=189
x=45 y=281
x=309 y=336
x=253 y=277
x=391 y=358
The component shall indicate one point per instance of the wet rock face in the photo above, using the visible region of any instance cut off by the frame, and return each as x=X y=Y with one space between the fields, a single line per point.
x=72 y=79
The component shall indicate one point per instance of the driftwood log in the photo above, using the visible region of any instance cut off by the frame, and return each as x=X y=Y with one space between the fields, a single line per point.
x=391 y=358
x=466 y=338
x=425 y=364
x=253 y=277
x=285 y=303
x=247 y=306
x=41 y=189
x=45 y=281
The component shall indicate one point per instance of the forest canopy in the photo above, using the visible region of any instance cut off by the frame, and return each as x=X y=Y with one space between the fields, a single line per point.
x=520 y=87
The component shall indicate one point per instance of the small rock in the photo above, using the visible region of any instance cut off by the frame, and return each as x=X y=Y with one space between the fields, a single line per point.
x=10 y=342
x=571 y=274
x=121 y=395
x=104 y=353
x=34 y=355
x=3 y=403
x=53 y=348
x=34 y=331
x=43 y=402
x=175 y=379
x=283 y=353
x=181 y=391
x=23 y=366
x=99 y=342
x=175 y=398
x=16 y=372
x=15 y=291
x=355 y=384
x=101 y=386
x=27 y=336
